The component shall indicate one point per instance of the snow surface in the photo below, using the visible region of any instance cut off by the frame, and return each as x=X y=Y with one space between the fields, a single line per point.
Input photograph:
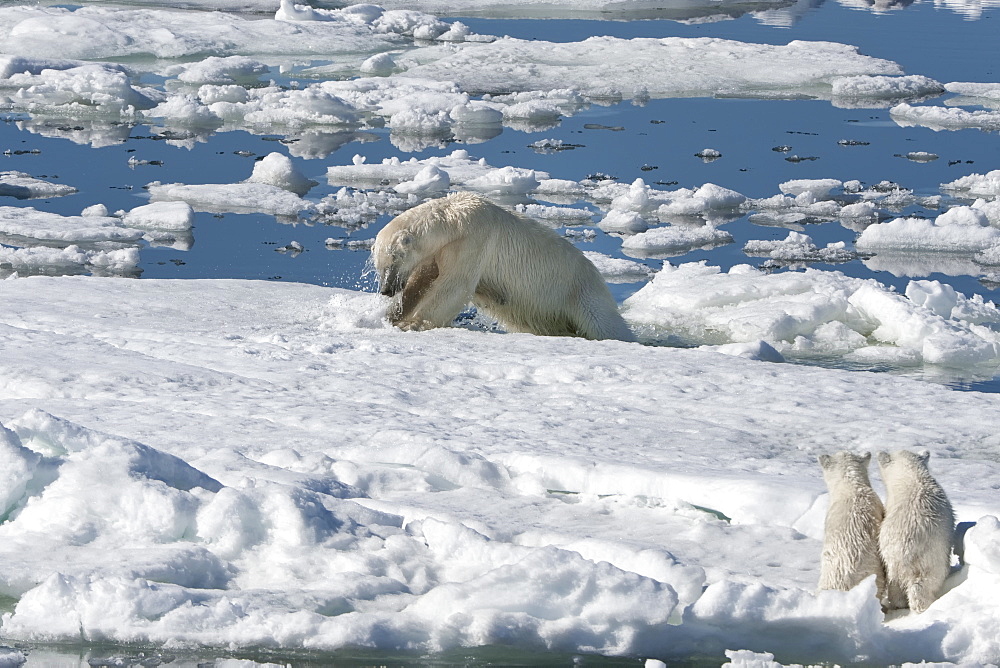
x=270 y=465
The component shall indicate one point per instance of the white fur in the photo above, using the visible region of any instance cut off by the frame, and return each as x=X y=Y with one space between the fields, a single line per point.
x=850 y=538
x=917 y=532
x=440 y=256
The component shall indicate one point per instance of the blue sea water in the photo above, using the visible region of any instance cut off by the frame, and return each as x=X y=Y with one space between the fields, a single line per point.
x=655 y=141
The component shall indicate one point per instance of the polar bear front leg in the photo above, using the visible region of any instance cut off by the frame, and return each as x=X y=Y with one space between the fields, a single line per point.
x=441 y=287
x=416 y=287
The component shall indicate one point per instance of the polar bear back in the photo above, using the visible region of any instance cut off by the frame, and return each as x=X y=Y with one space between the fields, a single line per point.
x=918 y=530
x=853 y=519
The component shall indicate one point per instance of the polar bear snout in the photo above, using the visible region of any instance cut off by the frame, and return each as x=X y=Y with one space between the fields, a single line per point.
x=390 y=281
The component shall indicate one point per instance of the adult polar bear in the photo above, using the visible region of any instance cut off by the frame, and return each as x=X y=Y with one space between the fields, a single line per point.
x=438 y=257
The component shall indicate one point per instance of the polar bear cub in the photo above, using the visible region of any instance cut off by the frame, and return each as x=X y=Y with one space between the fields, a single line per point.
x=917 y=532
x=438 y=257
x=850 y=538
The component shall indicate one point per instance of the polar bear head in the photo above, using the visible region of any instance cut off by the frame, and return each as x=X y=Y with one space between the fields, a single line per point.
x=393 y=260
x=903 y=458
x=414 y=236
x=845 y=465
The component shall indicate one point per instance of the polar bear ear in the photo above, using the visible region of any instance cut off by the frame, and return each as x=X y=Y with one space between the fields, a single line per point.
x=884 y=458
x=825 y=461
x=866 y=458
x=924 y=455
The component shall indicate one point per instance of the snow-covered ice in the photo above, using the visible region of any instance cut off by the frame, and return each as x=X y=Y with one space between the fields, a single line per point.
x=270 y=465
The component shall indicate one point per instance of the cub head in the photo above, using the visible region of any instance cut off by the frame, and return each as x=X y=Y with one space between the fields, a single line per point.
x=887 y=460
x=845 y=464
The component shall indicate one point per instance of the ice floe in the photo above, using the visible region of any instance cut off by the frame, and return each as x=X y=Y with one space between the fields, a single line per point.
x=799 y=248
x=674 y=240
x=25 y=223
x=96 y=33
x=24 y=186
x=274 y=187
x=664 y=67
x=963 y=229
x=817 y=313
x=944 y=118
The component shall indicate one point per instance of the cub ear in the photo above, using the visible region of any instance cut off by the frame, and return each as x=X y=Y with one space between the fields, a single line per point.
x=825 y=461
x=884 y=458
x=866 y=458
x=924 y=455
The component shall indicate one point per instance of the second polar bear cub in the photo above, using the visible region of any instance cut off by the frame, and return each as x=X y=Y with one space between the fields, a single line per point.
x=442 y=255
x=850 y=538
x=917 y=532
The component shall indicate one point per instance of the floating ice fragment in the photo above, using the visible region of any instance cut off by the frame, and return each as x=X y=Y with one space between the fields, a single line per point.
x=797 y=248
x=636 y=199
x=293 y=248
x=25 y=186
x=745 y=658
x=278 y=170
x=95 y=211
x=222 y=70
x=704 y=199
x=618 y=270
x=173 y=216
x=884 y=87
x=976 y=185
x=920 y=156
x=628 y=222
x=381 y=64
x=506 y=180
x=428 y=181
x=674 y=240
x=28 y=223
x=817 y=188
x=86 y=91
x=959 y=230
x=185 y=110
x=556 y=216
x=990 y=91
x=478 y=113
x=944 y=118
